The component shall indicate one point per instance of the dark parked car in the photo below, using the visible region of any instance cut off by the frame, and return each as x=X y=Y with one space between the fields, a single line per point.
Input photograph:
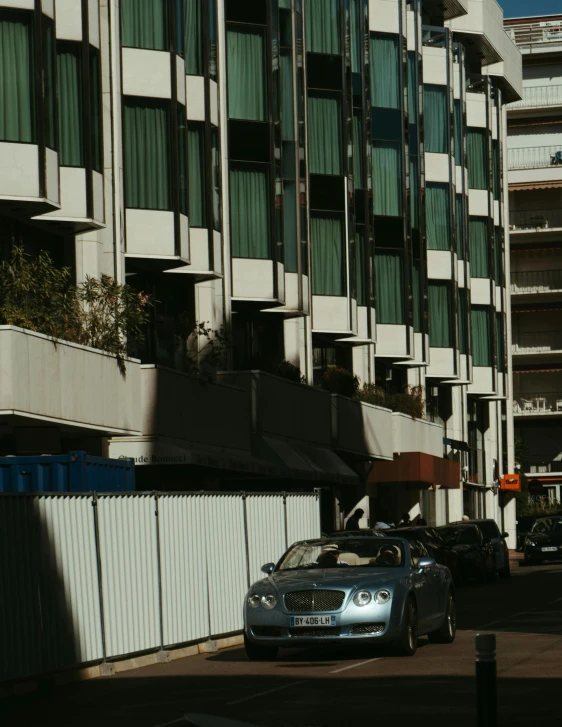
x=436 y=545
x=544 y=542
x=476 y=553
x=491 y=532
x=364 y=532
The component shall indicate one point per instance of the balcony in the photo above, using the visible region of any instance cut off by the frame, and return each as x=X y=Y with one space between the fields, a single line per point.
x=361 y=429
x=537 y=342
x=535 y=404
x=538 y=96
x=536 y=281
x=535 y=157
x=535 y=220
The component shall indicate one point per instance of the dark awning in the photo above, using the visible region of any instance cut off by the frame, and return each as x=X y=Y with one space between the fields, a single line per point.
x=456 y=444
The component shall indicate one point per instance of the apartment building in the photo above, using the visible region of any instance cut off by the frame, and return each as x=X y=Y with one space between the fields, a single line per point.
x=535 y=190
x=321 y=180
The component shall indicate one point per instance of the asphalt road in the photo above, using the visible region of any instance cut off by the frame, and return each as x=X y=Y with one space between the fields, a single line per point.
x=325 y=686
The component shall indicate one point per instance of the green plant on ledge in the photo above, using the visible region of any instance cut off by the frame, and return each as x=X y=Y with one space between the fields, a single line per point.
x=101 y=313
x=410 y=401
x=338 y=380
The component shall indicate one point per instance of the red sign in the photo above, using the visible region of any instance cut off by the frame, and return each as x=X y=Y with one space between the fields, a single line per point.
x=511 y=483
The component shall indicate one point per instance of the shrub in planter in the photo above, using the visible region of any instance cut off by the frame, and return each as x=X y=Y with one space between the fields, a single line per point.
x=289 y=371
x=372 y=394
x=409 y=402
x=338 y=380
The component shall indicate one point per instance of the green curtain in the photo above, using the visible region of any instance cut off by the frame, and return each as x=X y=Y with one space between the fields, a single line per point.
x=495 y=169
x=360 y=264
x=416 y=293
x=290 y=226
x=463 y=338
x=182 y=157
x=328 y=267
x=249 y=213
x=355 y=12
x=498 y=256
x=390 y=287
x=459 y=221
x=246 y=75
x=95 y=110
x=478 y=237
x=481 y=320
x=358 y=151
x=414 y=192
x=458 y=132
x=69 y=80
x=436 y=119
x=147 y=157
x=215 y=164
x=324 y=135
x=287 y=97
x=437 y=212
x=500 y=342
x=412 y=87
x=476 y=159
x=323 y=26
x=196 y=178
x=16 y=81
x=193 y=38
x=49 y=94
x=212 y=36
x=144 y=24
x=439 y=302
x=387 y=178
x=385 y=71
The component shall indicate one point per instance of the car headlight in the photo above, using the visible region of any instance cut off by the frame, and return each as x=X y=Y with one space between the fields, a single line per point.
x=254 y=600
x=362 y=598
x=531 y=543
x=382 y=596
x=269 y=601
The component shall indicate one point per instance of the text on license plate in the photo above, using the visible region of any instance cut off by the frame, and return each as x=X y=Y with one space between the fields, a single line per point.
x=549 y=549
x=302 y=621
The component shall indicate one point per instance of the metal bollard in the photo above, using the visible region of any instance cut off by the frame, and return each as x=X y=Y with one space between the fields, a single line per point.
x=486 y=683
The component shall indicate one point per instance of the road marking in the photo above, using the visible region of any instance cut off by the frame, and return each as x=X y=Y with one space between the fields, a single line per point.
x=263 y=694
x=354 y=666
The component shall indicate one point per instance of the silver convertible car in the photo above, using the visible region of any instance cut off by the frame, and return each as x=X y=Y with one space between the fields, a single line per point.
x=342 y=590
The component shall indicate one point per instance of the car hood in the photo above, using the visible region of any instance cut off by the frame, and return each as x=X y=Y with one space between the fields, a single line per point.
x=347 y=578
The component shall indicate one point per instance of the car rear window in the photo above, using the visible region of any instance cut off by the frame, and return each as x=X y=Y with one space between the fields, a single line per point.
x=489 y=529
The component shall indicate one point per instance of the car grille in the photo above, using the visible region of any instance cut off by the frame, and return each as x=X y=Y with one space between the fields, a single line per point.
x=313 y=633
x=271 y=631
x=316 y=600
x=366 y=629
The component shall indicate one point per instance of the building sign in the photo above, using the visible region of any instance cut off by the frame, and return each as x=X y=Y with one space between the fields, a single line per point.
x=511 y=483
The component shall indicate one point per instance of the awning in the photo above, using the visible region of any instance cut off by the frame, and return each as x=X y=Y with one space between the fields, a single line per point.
x=456 y=444
x=417 y=468
x=522 y=186
x=304 y=461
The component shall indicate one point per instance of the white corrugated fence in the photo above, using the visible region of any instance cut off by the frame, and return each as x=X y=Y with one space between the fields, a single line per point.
x=86 y=578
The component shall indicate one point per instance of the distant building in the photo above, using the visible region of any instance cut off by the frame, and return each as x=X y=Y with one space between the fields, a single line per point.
x=534 y=157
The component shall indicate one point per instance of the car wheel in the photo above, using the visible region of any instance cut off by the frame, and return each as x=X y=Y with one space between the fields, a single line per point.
x=407 y=644
x=446 y=633
x=256 y=652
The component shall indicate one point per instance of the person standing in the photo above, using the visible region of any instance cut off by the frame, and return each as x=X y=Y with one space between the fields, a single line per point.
x=353 y=522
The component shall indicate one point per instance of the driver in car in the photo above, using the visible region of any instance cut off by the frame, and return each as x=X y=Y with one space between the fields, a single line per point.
x=388 y=556
x=329 y=557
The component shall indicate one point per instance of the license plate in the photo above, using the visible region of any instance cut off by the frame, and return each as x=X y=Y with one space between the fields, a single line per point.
x=302 y=621
x=549 y=549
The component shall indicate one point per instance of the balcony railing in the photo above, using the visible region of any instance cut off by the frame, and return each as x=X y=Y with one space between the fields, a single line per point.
x=536 y=281
x=534 y=157
x=535 y=219
x=532 y=403
x=534 y=96
x=537 y=342
x=535 y=34
x=434 y=36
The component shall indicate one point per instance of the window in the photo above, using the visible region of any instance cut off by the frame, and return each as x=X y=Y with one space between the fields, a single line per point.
x=49 y=83
x=414 y=191
x=287 y=97
x=413 y=87
x=358 y=150
x=500 y=342
x=360 y=264
x=440 y=314
x=481 y=319
x=70 y=94
x=182 y=157
x=385 y=70
x=246 y=74
x=146 y=135
x=416 y=293
x=357 y=52
x=323 y=26
x=193 y=37
x=459 y=220
x=290 y=226
x=463 y=320
x=196 y=174
x=495 y=169
x=215 y=163
x=390 y=287
x=328 y=266
x=477 y=159
x=436 y=119
x=437 y=216
x=479 y=257
x=249 y=212
x=498 y=267
x=387 y=178
x=212 y=34
x=17 y=121
x=144 y=24
x=324 y=135
x=458 y=132
x=95 y=111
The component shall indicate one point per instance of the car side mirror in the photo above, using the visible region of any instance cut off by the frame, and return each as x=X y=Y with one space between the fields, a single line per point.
x=505 y=535
x=424 y=563
x=268 y=568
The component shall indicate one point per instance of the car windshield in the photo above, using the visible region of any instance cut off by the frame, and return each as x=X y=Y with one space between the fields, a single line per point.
x=460 y=536
x=345 y=553
x=489 y=529
x=547 y=525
